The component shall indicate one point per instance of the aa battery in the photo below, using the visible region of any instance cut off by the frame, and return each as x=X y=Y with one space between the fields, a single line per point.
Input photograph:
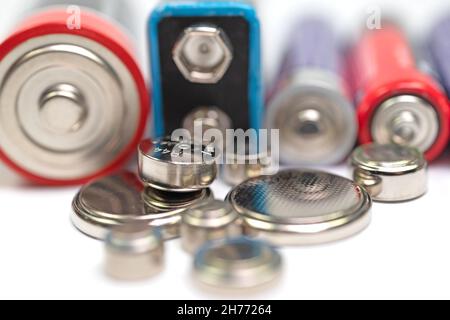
x=311 y=105
x=73 y=101
x=439 y=48
x=397 y=103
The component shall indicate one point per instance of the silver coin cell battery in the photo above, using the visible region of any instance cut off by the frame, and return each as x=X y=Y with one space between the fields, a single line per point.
x=176 y=166
x=209 y=221
x=134 y=252
x=241 y=165
x=390 y=173
x=238 y=263
x=301 y=207
x=122 y=199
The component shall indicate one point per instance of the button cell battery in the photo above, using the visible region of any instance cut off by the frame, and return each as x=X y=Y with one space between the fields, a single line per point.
x=117 y=200
x=390 y=173
x=237 y=264
x=176 y=166
x=208 y=221
x=304 y=207
x=134 y=252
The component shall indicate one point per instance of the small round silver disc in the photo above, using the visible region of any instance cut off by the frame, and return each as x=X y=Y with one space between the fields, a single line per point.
x=391 y=172
x=208 y=221
x=117 y=200
x=237 y=263
x=133 y=252
x=244 y=163
x=176 y=166
x=301 y=207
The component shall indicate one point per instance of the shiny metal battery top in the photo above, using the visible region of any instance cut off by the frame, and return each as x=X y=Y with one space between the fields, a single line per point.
x=202 y=119
x=406 y=120
x=390 y=172
x=301 y=207
x=176 y=166
x=237 y=264
x=309 y=105
x=203 y=53
x=209 y=221
x=122 y=199
x=244 y=163
x=73 y=102
x=134 y=252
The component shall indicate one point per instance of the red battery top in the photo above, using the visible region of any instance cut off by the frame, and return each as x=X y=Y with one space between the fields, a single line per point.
x=96 y=28
x=383 y=66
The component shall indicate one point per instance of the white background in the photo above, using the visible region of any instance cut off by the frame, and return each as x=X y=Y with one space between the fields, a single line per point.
x=403 y=254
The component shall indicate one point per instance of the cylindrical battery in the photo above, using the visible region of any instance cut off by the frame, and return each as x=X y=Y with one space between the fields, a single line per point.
x=397 y=103
x=310 y=104
x=439 y=48
x=73 y=101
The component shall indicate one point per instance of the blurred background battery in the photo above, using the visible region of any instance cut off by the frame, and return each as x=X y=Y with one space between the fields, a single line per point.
x=439 y=49
x=397 y=102
x=311 y=104
x=205 y=53
x=73 y=100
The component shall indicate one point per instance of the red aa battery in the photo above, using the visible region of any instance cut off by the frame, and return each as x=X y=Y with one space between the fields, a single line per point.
x=397 y=103
x=73 y=101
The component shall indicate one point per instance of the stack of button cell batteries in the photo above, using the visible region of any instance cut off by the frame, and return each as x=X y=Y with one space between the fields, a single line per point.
x=167 y=186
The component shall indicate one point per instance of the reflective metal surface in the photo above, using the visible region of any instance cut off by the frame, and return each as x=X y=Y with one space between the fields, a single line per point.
x=208 y=221
x=167 y=200
x=203 y=54
x=119 y=200
x=68 y=106
x=406 y=120
x=176 y=166
x=237 y=263
x=317 y=123
x=242 y=164
x=390 y=172
x=297 y=207
x=203 y=119
x=134 y=252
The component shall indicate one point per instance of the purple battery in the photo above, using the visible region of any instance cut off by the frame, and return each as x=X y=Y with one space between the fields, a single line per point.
x=310 y=105
x=439 y=46
x=312 y=45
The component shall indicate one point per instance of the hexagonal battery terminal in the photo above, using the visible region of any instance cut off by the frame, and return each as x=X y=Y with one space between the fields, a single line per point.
x=203 y=54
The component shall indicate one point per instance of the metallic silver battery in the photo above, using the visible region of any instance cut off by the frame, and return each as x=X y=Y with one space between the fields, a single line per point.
x=390 y=173
x=301 y=207
x=209 y=221
x=237 y=264
x=122 y=199
x=176 y=166
x=243 y=164
x=310 y=104
x=134 y=252
x=73 y=101
x=406 y=120
x=202 y=119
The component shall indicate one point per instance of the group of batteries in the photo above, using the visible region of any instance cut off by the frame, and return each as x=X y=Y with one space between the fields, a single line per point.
x=74 y=108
